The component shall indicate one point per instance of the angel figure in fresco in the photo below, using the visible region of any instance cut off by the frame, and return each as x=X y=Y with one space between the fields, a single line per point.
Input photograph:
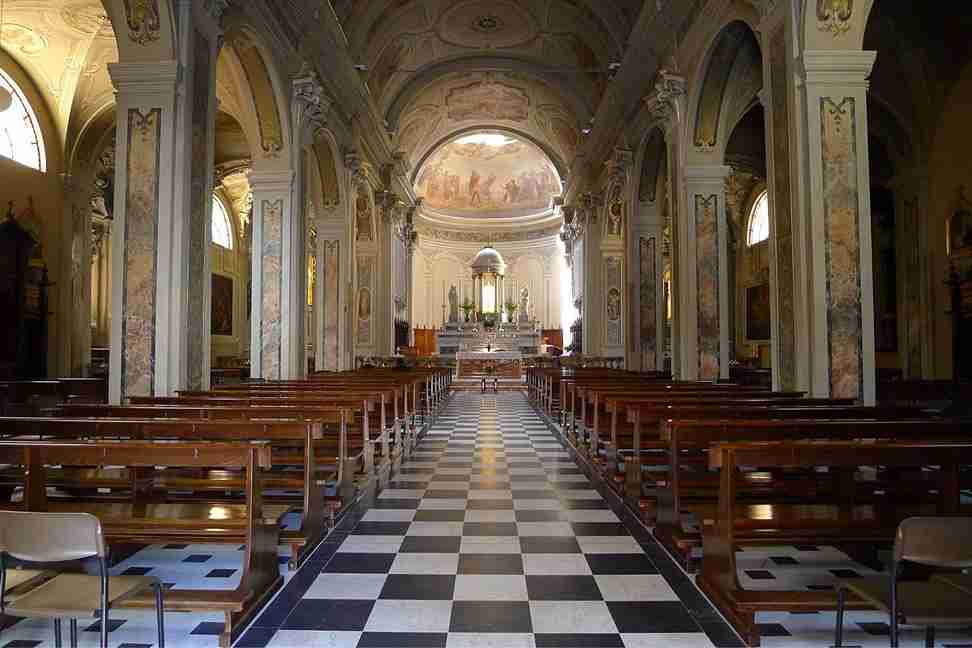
x=475 y=198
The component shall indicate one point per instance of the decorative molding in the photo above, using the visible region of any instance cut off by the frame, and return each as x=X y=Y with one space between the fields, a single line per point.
x=493 y=237
x=144 y=21
x=662 y=102
x=834 y=15
x=215 y=8
x=311 y=100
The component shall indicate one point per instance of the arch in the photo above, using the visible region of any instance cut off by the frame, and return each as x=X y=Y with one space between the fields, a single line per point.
x=559 y=165
x=835 y=24
x=145 y=31
x=267 y=100
x=21 y=139
x=651 y=164
x=430 y=73
x=324 y=148
x=729 y=48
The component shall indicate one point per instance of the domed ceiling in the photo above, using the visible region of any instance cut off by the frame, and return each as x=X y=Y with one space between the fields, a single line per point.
x=488 y=174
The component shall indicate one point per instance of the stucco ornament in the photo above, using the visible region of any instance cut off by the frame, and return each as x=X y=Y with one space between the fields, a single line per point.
x=144 y=23
x=834 y=15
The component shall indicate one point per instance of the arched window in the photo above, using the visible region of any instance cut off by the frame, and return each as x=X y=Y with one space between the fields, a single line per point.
x=20 y=135
x=222 y=229
x=758 y=230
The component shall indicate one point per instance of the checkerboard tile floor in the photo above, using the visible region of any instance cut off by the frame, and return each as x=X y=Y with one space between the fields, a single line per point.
x=490 y=535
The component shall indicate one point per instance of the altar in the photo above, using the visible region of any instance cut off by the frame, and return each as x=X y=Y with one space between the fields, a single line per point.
x=489 y=327
x=502 y=364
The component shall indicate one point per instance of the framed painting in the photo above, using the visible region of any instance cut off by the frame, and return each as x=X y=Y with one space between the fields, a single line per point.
x=758 y=323
x=222 y=306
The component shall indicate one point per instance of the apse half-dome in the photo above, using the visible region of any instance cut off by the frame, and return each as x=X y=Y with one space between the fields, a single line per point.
x=491 y=174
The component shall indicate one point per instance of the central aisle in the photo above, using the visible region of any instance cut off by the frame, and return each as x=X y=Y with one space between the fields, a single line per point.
x=492 y=536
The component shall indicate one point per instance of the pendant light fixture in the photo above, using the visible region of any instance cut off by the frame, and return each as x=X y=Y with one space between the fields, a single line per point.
x=6 y=97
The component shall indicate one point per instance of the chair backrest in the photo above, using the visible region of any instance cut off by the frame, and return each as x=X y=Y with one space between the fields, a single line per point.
x=935 y=541
x=51 y=537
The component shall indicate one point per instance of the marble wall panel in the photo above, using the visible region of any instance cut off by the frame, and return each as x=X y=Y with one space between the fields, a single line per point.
x=614 y=302
x=649 y=303
x=841 y=215
x=781 y=214
x=141 y=238
x=364 y=304
x=332 y=286
x=707 y=264
x=270 y=326
x=199 y=202
x=910 y=305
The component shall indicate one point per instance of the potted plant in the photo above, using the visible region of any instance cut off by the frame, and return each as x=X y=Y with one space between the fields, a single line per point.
x=511 y=308
x=489 y=319
x=467 y=307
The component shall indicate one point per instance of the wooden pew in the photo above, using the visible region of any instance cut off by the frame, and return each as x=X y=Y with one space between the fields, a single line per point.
x=123 y=523
x=679 y=490
x=848 y=522
x=321 y=457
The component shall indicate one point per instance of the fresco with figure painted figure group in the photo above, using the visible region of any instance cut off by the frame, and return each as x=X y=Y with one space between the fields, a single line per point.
x=488 y=174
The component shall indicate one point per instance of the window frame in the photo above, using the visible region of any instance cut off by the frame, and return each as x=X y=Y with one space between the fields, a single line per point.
x=229 y=224
x=761 y=198
x=18 y=95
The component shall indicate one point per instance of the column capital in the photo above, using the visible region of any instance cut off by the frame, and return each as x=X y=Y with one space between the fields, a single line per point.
x=846 y=68
x=663 y=101
x=311 y=100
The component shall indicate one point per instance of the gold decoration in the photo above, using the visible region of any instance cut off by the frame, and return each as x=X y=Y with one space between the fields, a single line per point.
x=144 y=23
x=834 y=15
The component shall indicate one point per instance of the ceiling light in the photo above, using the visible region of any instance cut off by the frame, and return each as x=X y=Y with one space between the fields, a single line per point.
x=585 y=131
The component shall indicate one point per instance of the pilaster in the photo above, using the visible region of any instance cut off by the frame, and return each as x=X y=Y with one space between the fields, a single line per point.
x=705 y=329
x=839 y=249
x=145 y=258
x=274 y=282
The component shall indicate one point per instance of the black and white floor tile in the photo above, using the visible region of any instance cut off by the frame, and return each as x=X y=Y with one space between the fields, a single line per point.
x=491 y=535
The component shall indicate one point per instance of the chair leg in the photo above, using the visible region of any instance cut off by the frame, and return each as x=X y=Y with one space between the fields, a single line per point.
x=160 y=614
x=73 y=632
x=58 y=642
x=930 y=637
x=839 y=627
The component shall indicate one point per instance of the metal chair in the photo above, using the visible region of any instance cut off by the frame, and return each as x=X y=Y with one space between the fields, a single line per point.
x=62 y=537
x=938 y=542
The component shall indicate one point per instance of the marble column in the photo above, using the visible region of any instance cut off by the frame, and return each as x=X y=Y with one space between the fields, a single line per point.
x=839 y=241
x=75 y=300
x=145 y=263
x=705 y=328
x=327 y=301
x=273 y=280
x=649 y=295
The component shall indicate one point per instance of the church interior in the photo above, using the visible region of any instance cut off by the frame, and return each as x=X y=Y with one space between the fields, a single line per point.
x=485 y=323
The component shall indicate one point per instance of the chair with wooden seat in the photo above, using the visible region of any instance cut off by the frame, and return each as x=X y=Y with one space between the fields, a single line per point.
x=937 y=542
x=62 y=537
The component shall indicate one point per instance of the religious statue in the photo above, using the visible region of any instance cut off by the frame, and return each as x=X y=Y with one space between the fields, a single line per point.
x=614 y=304
x=453 y=305
x=525 y=304
x=364 y=304
x=615 y=218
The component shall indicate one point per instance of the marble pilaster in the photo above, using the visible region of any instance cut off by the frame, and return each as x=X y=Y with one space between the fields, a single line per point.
x=143 y=341
x=842 y=303
x=706 y=327
x=272 y=276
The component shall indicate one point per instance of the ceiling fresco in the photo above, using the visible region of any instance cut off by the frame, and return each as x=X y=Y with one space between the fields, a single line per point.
x=488 y=174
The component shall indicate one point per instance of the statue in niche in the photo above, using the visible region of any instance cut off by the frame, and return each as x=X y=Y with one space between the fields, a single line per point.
x=362 y=222
x=364 y=304
x=525 y=304
x=453 y=305
x=614 y=304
